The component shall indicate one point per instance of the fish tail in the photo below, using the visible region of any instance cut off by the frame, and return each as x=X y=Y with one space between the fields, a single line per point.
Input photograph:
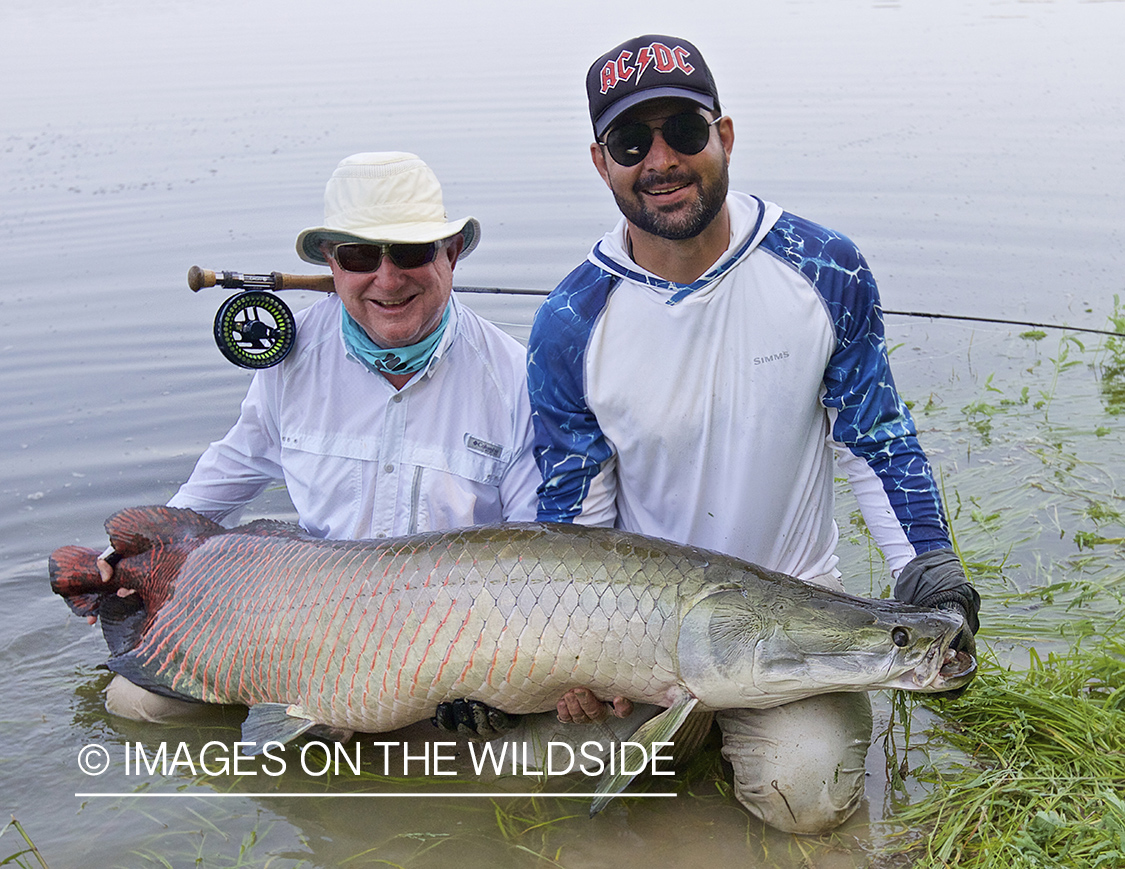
x=75 y=577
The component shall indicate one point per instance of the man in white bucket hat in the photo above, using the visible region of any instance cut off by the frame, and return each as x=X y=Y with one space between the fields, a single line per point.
x=365 y=420
x=392 y=253
x=398 y=410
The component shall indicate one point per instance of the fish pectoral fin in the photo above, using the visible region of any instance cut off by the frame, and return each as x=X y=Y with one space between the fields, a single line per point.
x=660 y=728
x=273 y=722
x=693 y=733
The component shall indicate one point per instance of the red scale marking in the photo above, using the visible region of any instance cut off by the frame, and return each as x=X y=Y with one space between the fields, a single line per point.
x=232 y=640
x=496 y=655
x=372 y=625
x=270 y=655
x=338 y=591
x=452 y=645
x=245 y=640
x=402 y=627
x=353 y=636
x=473 y=654
x=432 y=643
x=538 y=645
x=379 y=619
x=196 y=631
x=445 y=583
x=303 y=691
x=393 y=652
x=385 y=689
x=226 y=636
x=227 y=623
x=163 y=633
x=309 y=577
x=512 y=666
x=309 y=580
x=275 y=657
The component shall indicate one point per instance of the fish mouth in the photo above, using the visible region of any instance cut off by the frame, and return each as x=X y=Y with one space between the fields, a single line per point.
x=956 y=668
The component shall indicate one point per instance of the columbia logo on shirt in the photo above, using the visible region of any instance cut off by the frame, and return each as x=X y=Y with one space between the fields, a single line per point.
x=483 y=447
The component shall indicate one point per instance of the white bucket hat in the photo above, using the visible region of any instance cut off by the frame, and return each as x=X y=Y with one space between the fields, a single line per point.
x=388 y=196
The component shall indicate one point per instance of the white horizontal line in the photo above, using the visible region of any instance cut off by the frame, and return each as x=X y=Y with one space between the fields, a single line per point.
x=454 y=795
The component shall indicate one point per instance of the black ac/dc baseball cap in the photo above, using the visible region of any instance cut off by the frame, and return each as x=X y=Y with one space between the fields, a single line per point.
x=647 y=68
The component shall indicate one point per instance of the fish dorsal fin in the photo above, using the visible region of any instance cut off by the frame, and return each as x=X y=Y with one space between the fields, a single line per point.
x=273 y=528
x=273 y=722
x=658 y=729
x=138 y=529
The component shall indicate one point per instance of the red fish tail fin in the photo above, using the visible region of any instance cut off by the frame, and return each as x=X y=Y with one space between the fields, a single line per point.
x=74 y=576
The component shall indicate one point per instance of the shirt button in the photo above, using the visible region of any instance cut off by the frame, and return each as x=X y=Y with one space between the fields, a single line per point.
x=389 y=468
x=381 y=534
x=397 y=398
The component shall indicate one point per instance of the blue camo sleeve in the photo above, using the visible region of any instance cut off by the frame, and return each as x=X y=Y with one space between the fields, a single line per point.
x=570 y=447
x=872 y=421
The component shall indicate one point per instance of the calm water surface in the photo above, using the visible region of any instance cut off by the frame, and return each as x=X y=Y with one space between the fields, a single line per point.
x=971 y=148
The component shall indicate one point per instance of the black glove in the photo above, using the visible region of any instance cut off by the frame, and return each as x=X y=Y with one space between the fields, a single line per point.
x=473 y=719
x=936 y=579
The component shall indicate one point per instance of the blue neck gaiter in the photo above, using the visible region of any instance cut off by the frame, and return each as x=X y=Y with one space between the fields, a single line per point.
x=394 y=360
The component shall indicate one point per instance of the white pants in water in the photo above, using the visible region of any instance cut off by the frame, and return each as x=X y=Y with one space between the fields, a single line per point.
x=800 y=767
x=127 y=700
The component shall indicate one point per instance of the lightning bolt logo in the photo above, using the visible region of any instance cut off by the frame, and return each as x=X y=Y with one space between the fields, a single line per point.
x=644 y=58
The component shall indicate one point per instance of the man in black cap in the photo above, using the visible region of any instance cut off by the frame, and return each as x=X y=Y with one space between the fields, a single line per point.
x=694 y=377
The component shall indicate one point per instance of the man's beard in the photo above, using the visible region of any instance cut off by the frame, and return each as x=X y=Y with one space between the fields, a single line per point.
x=675 y=224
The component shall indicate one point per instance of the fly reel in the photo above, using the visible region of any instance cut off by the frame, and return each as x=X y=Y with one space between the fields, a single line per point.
x=254 y=328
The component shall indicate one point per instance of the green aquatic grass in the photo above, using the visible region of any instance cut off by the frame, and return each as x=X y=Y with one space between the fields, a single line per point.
x=22 y=857
x=1041 y=783
x=1027 y=768
x=1111 y=363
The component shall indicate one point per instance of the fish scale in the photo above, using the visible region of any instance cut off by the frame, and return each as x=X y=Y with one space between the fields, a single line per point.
x=247 y=647
x=371 y=635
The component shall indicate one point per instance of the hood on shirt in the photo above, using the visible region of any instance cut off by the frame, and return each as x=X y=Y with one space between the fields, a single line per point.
x=751 y=219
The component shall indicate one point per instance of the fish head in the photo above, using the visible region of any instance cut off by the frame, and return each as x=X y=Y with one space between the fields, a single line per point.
x=775 y=642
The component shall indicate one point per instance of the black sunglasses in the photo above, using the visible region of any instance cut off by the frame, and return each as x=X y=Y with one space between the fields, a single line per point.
x=367 y=256
x=686 y=133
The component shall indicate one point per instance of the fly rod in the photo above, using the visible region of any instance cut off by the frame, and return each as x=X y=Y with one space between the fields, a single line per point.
x=520 y=292
x=255 y=329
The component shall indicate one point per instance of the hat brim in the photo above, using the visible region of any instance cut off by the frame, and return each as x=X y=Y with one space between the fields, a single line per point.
x=703 y=100
x=309 y=241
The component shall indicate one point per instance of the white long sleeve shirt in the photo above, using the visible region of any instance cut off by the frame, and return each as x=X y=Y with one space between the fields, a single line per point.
x=708 y=413
x=361 y=459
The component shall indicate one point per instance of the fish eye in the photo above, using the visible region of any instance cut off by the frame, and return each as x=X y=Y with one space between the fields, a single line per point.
x=900 y=636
